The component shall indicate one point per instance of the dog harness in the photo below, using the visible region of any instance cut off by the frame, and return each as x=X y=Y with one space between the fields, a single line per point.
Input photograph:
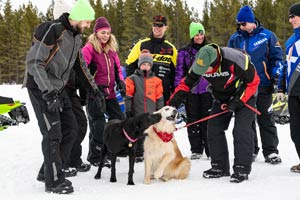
x=164 y=136
x=129 y=138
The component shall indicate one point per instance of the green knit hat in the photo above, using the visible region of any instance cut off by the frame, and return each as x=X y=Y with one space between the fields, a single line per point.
x=82 y=10
x=204 y=58
x=195 y=28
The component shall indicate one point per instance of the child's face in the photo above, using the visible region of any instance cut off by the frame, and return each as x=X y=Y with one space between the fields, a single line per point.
x=145 y=66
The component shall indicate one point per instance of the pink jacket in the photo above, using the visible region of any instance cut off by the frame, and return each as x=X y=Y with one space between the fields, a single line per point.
x=105 y=62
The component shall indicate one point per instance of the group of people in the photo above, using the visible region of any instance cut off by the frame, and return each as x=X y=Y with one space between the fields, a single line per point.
x=206 y=78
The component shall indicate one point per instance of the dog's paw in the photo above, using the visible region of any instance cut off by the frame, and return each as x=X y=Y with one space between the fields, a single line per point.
x=113 y=180
x=97 y=176
x=147 y=181
x=165 y=178
x=158 y=174
x=130 y=183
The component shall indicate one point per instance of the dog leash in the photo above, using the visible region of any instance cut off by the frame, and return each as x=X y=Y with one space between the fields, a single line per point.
x=225 y=110
x=204 y=119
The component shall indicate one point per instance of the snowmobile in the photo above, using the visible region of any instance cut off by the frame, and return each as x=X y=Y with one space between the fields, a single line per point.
x=17 y=113
x=281 y=112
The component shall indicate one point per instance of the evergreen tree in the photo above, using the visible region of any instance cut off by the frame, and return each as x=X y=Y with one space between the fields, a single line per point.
x=129 y=34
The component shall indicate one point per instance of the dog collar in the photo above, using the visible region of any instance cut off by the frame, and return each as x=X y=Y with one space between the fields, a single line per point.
x=164 y=136
x=129 y=138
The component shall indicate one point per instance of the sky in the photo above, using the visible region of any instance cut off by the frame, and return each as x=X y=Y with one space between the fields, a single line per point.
x=42 y=5
x=21 y=157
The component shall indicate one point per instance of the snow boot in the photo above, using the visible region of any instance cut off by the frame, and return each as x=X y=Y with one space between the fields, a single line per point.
x=238 y=177
x=273 y=158
x=83 y=167
x=69 y=172
x=295 y=168
x=62 y=188
x=196 y=156
x=215 y=173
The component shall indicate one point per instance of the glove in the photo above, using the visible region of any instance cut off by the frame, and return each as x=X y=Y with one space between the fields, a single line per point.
x=280 y=96
x=235 y=104
x=99 y=99
x=129 y=114
x=176 y=99
x=53 y=102
x=121 y=86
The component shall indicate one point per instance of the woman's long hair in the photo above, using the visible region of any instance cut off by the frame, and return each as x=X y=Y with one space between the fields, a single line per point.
x=110 y=45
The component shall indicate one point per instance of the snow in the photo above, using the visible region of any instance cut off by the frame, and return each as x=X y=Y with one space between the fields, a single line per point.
x=21 y=157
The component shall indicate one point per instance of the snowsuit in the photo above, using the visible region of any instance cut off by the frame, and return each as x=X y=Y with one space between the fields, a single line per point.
x=77 y=103
x=233 y=75
x=164 y=61
x=56 y=46
x=144 y=93
x=289 y=81
x=107 y=67
x=266 y=55
x=198 y=102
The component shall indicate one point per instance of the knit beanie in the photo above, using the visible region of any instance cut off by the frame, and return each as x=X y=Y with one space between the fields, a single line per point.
x=62 y=6
x=295 y=9
x=195 y=28
x=204 y=58
x=101 y=23
x=245 y=15
x=145 y=56
x=82 y=10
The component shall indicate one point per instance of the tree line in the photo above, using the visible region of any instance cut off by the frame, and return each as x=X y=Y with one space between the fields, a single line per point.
x=131 y=20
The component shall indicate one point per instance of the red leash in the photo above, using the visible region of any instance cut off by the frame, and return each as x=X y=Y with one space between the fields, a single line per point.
x=206 y=118
x=224 y=108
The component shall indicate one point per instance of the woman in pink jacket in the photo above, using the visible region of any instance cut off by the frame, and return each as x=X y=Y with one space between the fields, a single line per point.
x=100 y=54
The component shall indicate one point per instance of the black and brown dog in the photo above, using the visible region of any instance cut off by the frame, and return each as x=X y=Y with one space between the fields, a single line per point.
x=120 y=138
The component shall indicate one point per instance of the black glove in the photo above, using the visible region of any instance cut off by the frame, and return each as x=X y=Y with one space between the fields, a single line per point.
x=129 y=114
x=99 y=98
x=53 y=102
x=235 y=104
x=178 y=98
x=121 y=86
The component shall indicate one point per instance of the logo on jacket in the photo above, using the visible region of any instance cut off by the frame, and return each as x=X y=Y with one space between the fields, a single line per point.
x=161 y=58
x=216 y=74
x=260 y=41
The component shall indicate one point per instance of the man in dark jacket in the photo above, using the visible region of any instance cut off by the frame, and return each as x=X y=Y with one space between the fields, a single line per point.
x=164 y=55
x=234 y=82
x=56 y=45
x=266 y=55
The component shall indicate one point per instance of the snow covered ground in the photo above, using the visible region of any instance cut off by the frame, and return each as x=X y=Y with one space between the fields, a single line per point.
x=21 y=157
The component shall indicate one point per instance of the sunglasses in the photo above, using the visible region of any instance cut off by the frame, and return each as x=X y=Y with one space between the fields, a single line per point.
x=158 y=25
x=241 y=23
x=291 y=16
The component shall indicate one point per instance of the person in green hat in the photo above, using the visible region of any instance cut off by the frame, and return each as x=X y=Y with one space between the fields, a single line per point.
x=233 y=83
x=49 y=62
x=199 y=101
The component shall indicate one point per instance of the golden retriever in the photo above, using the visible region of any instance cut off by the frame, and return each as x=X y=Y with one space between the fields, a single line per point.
x=163 y=159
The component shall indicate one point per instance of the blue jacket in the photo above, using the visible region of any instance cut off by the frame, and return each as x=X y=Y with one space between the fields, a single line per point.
x=265 y=51
x=289 y=79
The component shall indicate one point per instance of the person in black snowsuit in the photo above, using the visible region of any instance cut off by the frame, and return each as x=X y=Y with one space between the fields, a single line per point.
x=55 y=47
x=78 y=101
x=234 y=83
